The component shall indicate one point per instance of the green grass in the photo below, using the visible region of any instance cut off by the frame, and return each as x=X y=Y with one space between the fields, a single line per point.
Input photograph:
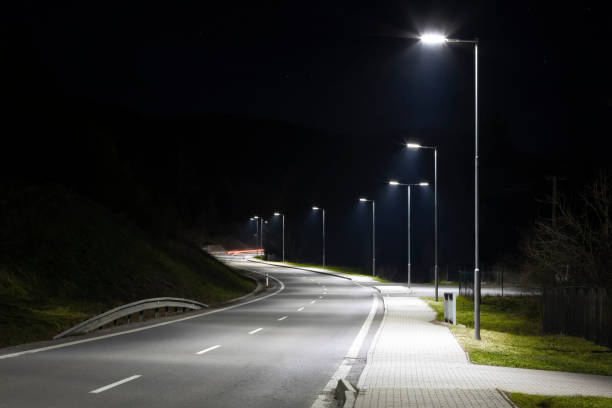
x=542 y=401
x=342 y=269
x=445 y=283
x=511 y=337
x=65 y=259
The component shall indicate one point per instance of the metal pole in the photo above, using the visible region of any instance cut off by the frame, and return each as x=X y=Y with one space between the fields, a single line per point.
x=373 y=238
x=409 y=265
x=262 y=237
x=323 y=238
x=257 y=236
x=283 y=237
x=476 y=269
x=436 y=219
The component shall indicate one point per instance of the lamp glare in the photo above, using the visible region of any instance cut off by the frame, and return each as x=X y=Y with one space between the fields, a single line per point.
x=433 y=39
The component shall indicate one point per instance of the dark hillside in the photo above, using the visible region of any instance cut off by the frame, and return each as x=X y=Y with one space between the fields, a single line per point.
x=64 y=258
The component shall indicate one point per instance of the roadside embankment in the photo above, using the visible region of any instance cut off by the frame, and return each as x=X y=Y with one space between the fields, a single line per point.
x=64 y=259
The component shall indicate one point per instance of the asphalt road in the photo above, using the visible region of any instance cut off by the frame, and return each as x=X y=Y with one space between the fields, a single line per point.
x=276 y=352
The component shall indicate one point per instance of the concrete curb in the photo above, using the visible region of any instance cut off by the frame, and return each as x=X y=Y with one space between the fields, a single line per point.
x=345 y=394
x=299 y=267
x=507 y=398
x=258 y=289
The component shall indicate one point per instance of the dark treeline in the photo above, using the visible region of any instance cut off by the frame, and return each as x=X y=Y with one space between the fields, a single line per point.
x=202 y=175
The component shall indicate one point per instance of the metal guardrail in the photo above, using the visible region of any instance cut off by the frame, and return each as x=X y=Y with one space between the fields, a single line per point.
x=129 y=309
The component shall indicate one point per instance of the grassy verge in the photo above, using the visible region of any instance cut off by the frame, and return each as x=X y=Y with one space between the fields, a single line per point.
x=510 y=337
x=541 y=401
x=65 y=259
x=342 y=269
x=445 y=283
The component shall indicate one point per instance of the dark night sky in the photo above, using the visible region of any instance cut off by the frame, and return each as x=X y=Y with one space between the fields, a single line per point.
x=325 y=93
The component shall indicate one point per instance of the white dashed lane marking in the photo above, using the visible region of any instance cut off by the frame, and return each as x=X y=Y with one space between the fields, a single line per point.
x=109 y=386
x=208 y=349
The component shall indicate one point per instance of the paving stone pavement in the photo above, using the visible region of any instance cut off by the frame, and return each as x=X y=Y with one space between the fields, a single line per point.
x=415 y=363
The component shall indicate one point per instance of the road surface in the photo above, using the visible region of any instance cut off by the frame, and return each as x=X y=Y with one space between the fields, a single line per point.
x=280 y=351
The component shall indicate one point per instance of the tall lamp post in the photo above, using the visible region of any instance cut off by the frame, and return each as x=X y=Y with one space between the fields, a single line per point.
x=435 y=149
x=256 y=228
x=408 y=187
x=277 y=214
x=262 y=236
x=433 y=39
x=323 y=210
x=365 y=200
x=257 y=236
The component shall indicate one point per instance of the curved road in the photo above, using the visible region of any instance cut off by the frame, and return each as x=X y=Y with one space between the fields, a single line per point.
x=280 y=351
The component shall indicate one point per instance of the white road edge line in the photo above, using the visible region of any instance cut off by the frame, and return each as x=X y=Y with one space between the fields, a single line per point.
x=312 y=301
x=325 y=398
x=208 y=349
x=282 y=318
x=256 y=330
x=300 y=309
x=109 y=386
x=106 y=336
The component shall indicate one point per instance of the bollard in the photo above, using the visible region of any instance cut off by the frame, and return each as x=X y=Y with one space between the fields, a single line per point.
x=450 y=308
x=267 y=284
x=140 y=316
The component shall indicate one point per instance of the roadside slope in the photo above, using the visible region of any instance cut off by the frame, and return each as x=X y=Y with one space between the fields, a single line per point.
x=64 y=258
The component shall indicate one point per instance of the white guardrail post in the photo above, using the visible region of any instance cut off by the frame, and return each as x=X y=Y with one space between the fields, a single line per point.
x=450 y=308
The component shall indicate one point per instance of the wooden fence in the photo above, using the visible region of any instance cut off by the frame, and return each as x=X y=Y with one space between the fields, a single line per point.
x=578 y=311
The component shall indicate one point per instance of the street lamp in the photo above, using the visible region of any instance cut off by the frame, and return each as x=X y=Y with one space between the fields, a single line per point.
x=323 y=210
x=262 y=236
x=435 y=149
x=277 y=214
x=257 y=236
x=408 y=187
x=365 y=200
x=440 y=39
x=256 y=228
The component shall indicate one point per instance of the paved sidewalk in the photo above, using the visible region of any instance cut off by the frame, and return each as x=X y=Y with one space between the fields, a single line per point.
x=416 y=363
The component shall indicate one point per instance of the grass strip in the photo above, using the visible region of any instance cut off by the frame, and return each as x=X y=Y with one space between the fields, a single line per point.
x=545 y=401
x=349 y=270
x=511 y=337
